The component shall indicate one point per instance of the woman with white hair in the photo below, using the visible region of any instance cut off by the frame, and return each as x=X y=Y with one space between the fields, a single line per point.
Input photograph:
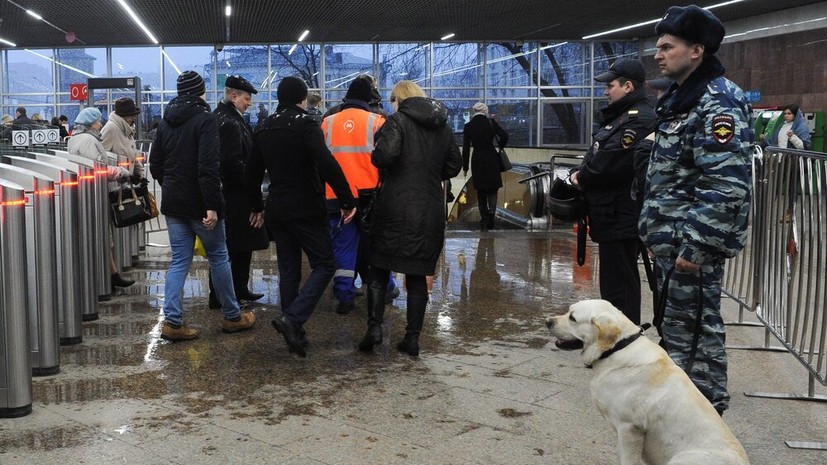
x=480 y=133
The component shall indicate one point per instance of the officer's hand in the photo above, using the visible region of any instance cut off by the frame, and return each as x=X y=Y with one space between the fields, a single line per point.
x=347 y=215
x=682 y=264
x=574 y=181
x=257 y=219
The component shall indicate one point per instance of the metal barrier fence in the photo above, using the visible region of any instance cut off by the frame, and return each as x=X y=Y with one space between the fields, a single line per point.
x=156 y=224
x=781 y=273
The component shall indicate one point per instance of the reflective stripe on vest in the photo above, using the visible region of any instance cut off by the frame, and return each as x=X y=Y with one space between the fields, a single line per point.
x=349 y=135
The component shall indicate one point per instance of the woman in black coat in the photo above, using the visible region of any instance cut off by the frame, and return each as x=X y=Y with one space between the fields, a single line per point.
x=485 y=165
x=415 y=152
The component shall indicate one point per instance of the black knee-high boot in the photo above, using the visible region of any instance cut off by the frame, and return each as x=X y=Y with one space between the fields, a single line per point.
x=417 y=302
x=376 y=314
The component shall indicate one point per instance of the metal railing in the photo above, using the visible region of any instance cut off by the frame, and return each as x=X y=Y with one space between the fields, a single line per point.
x=156 y=224
x=781 y=273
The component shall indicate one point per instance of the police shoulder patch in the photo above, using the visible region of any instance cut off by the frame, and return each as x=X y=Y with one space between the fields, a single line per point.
x=723 y=128
x=628 y=138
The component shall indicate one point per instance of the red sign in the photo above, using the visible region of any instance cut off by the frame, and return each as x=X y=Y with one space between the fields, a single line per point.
x=78 y=92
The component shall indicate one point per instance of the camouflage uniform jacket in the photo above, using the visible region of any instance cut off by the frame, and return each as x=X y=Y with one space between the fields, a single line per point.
x=698 y=184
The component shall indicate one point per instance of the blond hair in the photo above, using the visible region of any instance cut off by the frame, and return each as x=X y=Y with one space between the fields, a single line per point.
x=406 y=89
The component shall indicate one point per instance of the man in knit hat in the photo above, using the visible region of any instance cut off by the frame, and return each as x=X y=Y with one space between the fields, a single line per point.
x=291 y=147
x=349 y=136
x=696 y=203
x=185 y=162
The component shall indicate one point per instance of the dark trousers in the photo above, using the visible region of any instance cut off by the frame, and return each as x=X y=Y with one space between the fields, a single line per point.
x=240 y=267
x=487 y=202
x=292 y=239
x=619 y=276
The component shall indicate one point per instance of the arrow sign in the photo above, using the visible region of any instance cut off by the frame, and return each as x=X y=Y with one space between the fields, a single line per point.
x=20 y=138
x=39 y=136
x=53 y=136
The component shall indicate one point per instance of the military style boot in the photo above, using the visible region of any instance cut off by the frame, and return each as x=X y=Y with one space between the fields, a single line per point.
x=376 y=313
x=416 y=316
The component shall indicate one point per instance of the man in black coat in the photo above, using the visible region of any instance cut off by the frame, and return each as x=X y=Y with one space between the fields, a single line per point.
x=291 y=147
x=236 y=140
x=606 y=178
x=184 y=160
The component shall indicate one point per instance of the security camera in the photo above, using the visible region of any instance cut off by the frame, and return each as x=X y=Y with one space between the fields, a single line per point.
x=219 y=47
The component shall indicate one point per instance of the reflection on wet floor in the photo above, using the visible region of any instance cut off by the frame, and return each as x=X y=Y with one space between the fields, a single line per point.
x=498 y=287
x=494 y=287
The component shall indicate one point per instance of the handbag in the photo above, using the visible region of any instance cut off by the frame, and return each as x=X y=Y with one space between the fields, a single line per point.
x=505 y=163
x=127 y=207
x=365 y=206
x=149 y=199
x=565 y=202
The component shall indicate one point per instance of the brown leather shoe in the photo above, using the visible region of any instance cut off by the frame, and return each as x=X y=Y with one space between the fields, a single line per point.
x=182 y=333
x=248 y=319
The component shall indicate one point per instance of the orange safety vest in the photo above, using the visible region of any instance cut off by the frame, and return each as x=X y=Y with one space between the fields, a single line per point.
x=349 y=136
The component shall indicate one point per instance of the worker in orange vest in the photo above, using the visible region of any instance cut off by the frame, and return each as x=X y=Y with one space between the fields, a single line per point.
x=349 y=135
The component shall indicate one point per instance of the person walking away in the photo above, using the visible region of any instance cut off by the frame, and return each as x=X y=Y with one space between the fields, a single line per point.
x=349 y=134
x=606 y=178
x=184 y=160
x=236 y=144
x=86 y=142
x=313 y=101
x=481 y=133
x=290 y=146
x=415 y=152
x=696 y=205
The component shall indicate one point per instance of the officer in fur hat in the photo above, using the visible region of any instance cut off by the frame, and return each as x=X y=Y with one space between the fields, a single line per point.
x=698 y=192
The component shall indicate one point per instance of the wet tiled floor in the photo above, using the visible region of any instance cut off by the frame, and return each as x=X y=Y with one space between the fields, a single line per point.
x=488 y=388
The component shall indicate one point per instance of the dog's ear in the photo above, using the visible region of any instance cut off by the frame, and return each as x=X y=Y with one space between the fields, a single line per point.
x=607 y=331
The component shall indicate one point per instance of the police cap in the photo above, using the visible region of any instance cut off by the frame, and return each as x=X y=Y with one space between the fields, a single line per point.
x=623 y=67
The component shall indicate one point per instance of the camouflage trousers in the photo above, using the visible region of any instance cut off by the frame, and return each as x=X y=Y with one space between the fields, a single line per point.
x=709 y=370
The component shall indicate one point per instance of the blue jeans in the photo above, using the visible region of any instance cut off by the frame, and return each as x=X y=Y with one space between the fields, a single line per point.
x=182 y=232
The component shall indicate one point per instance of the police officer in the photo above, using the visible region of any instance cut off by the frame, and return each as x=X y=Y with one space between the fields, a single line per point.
x=698 y=192
x=606 y=178
x=236 y=139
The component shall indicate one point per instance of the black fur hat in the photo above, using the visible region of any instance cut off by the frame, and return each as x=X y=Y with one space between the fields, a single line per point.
x=693 y=24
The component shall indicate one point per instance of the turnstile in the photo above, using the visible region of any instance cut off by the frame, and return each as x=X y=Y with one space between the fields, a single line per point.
x=15 y=364
x=68 y=246
x=87 y=216
x=41 y=257
x=101 y=224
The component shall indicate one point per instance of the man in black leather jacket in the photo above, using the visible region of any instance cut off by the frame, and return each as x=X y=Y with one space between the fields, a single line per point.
x=291 y=147
x=606 y=177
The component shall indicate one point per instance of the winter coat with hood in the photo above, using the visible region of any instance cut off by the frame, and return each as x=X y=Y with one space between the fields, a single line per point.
x=290 y=146
x=118 y=137
x=236 y=139
x=184 y=159
x=485 y=162
x=86 y=142
x=415 y=152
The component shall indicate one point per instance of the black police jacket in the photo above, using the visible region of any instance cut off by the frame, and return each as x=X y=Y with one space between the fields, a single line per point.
x=608 y=170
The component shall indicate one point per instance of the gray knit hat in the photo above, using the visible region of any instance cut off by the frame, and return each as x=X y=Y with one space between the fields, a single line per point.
x=191 y=83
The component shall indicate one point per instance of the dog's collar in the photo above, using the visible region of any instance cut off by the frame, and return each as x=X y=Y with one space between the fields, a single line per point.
x=621 y=344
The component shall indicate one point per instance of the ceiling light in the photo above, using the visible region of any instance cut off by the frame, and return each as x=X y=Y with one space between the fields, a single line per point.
x=34 y=15
x=169 y=59
x=228 y=10
x=8 y=42
x=653 y=21
x=292 y=49
x=304 y=35
x=137 y=21
x=447 y=37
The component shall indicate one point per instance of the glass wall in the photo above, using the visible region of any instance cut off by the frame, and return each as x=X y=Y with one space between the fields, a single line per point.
x=543 y=94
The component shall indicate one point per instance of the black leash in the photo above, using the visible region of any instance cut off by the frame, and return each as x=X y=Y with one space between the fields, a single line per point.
x=660 y=309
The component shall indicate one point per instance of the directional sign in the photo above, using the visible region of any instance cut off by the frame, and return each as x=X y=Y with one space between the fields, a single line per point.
x=53 y=136
x=78 y=92
x=40 y=136
x=20 y=138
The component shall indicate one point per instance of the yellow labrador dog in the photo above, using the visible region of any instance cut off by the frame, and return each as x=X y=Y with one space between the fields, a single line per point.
x=660 y=416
